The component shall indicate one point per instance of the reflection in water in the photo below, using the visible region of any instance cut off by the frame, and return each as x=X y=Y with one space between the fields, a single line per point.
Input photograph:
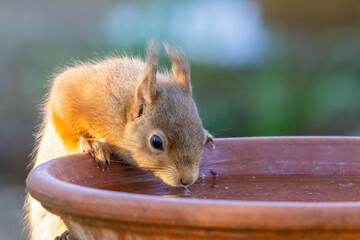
x=176 y=192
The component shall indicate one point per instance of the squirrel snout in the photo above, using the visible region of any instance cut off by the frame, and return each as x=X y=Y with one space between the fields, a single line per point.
x=185 y=183
x=188 y=178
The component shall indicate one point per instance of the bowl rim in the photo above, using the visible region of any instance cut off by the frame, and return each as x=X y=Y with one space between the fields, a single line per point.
x=144 y=209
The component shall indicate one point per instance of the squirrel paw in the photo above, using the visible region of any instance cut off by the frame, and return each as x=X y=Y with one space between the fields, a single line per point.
x=65 y=236
x=98 y=149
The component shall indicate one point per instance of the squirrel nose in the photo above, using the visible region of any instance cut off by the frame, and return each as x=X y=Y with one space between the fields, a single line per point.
x=188 y=176
x=184 y=182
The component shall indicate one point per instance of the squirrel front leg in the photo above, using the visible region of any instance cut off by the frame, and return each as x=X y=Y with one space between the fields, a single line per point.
x=98 y=149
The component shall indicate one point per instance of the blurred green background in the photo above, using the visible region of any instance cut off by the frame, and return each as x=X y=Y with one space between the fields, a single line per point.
x=259 y=68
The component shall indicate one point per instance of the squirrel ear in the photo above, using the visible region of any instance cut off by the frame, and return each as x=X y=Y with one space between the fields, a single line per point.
x=209 y=139
x=145 y=92
x=180 y=66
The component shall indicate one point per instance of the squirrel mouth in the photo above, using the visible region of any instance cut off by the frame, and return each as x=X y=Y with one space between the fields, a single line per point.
x=166 y=179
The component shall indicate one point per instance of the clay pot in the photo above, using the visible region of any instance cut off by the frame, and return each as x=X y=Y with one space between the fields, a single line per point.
x=249 y=188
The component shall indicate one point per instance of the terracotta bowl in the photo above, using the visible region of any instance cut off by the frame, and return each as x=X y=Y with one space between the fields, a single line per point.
x=249 y=188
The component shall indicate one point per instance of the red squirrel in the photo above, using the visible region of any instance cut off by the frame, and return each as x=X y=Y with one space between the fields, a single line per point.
x=126 y=107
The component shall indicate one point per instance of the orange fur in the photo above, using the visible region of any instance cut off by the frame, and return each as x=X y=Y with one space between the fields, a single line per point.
x=116 y=106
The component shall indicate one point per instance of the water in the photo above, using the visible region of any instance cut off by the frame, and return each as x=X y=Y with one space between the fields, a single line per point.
x=308 y=188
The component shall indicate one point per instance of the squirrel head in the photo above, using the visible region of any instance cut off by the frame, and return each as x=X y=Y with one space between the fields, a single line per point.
x=164 y=132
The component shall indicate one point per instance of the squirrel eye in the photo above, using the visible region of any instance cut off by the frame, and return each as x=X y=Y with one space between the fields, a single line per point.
x=156 y=142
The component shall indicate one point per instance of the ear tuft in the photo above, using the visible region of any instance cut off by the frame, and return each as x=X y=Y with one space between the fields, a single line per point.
x=180 y=66
x=145 y=92
x=209 y=138
x=152 y=57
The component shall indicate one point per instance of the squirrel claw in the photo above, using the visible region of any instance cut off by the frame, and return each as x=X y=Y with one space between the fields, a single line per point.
x=98 y=149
